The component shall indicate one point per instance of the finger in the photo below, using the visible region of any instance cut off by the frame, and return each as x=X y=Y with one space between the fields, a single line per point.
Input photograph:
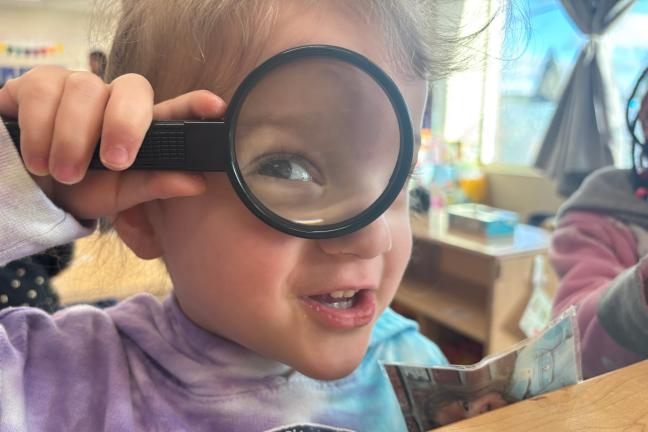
x=128 y=116
x=200 y=104
x=137 y=187
x=8 y=102
x=38 y=94
x=78 y=126
x=107 y=193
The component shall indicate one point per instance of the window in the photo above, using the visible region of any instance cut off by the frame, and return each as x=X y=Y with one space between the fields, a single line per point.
x=530 y=87
x=515 y=99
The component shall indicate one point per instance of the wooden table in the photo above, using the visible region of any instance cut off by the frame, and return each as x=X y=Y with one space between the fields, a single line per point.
x=616 y=401
x=476 y=287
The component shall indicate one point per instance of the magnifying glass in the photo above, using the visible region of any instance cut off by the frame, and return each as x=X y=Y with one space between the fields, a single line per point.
x=317 y=141
x=633 y=108
x=636 y=129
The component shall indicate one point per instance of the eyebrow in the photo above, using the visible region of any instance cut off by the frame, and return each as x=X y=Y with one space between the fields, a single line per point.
x=290 y=120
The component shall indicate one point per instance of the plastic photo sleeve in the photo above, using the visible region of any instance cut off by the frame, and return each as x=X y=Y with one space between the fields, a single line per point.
x=435 y=396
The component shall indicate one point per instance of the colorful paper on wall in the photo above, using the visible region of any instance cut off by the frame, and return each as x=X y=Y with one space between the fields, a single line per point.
x=30 y=50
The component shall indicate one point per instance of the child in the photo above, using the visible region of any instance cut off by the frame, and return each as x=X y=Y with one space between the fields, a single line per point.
x=599 y=251
x=237 y=346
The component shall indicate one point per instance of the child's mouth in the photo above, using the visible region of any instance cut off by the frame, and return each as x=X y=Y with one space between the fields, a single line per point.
x=343 y=308
x=337 y=299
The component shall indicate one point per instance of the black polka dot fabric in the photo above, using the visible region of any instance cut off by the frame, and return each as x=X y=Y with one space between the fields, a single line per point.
x=26 y=282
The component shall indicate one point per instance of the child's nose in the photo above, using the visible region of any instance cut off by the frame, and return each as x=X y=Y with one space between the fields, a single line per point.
x=373 y=240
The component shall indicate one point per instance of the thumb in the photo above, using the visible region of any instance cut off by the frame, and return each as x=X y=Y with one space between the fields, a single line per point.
x=137 y=187
x=108 y=193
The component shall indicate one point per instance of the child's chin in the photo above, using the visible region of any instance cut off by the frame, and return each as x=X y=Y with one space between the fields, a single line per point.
x=331 y=373
x=331 y=358
x=331 y=368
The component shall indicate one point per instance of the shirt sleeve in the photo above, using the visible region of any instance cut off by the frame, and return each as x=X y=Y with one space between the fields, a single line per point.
x=600 y=272
x=29 y=221
x=72 y=363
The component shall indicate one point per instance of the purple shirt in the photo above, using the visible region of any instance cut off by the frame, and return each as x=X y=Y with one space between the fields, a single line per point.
x=143 y=365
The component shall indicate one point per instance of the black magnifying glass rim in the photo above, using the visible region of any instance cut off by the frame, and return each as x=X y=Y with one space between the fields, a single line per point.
x=403 y=161
x=632 y=124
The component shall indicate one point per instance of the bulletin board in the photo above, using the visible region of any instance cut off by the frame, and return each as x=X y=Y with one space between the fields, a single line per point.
x=18 y=58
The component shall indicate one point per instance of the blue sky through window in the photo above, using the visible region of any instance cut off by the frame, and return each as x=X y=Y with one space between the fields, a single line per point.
x=553 y=38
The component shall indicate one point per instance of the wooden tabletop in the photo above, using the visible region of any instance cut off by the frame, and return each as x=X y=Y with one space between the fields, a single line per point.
x=617 y=401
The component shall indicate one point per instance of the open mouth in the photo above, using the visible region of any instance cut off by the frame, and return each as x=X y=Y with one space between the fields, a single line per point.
x=338 y=299
x=344 y=308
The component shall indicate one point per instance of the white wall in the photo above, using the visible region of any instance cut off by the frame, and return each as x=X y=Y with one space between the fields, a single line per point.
x=523 y=192
x=46 y=25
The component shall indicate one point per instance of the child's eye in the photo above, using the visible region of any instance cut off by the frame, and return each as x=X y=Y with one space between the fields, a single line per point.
x=285 y=167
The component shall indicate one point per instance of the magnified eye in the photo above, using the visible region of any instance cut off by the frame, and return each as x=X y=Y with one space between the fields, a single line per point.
x=286 y=167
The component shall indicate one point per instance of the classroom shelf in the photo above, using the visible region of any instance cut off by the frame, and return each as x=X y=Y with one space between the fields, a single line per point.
x=476 y=287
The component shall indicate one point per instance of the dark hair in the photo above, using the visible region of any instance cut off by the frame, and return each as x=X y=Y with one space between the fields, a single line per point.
x=101 y=59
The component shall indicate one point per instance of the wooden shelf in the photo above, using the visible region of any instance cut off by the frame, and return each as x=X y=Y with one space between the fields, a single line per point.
x=475 y=287
x=450 y=307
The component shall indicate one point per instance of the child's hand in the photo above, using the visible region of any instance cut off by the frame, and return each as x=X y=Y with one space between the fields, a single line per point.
x=63 y=114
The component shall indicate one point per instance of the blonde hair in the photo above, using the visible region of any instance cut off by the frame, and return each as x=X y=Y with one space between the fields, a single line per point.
x=419 y=38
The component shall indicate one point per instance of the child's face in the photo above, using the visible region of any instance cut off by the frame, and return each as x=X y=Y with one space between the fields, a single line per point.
x=241 y=279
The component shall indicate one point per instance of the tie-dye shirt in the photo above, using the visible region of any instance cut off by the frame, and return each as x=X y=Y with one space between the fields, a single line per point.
x=144 y=366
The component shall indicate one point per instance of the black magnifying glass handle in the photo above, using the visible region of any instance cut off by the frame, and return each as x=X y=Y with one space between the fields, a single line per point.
x=170 y=145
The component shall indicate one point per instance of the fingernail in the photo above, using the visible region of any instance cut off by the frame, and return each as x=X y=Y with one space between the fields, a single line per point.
x=116 y=156
x=38 y=166
x=66 y=173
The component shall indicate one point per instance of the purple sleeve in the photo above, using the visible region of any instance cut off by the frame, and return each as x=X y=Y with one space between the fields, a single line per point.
x=592 y=255
x=29 y=221
x=73 y=360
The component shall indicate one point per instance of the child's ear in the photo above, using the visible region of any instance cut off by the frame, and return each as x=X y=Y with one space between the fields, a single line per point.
x=135 y=229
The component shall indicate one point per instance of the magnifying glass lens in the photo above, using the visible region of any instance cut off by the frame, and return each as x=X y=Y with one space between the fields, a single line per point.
x=316 y=141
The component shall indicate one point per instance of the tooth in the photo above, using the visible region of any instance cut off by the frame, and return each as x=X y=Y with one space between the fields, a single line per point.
x=338 y=294
x=346 y=304
x=349 y=293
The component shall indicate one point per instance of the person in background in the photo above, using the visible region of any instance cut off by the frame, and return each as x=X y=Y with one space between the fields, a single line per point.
x=27 y=281
x=600 y=252
x=97 y=61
